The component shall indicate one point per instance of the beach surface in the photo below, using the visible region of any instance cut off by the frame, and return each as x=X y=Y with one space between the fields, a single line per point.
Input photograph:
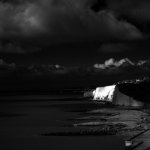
x=44 y=122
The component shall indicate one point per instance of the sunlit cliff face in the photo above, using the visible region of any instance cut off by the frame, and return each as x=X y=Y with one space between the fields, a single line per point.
x=104 y=93
x=113 y=95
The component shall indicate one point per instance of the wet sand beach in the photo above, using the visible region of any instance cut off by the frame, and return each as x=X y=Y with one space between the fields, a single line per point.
x=24 y=122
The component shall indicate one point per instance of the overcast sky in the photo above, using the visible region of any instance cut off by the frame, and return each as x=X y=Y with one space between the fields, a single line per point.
x=74 y=32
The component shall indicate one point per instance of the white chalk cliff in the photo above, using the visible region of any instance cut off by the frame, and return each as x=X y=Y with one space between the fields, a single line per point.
x=113 y=95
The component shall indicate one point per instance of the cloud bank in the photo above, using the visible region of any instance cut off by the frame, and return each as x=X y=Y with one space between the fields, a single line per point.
x=116 y=47
x=112 y=63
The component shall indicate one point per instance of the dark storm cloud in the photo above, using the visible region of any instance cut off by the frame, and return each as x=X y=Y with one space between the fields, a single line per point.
x=17 y=20
x=133 y=49
x=137 y=11
x=9 y=47
x=61 y=20
x=4 y=66
x=116 y=47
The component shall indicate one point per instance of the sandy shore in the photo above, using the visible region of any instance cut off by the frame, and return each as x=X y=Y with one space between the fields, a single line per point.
x=24 y=123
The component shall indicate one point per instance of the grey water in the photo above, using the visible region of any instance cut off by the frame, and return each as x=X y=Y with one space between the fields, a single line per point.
x=24 y=120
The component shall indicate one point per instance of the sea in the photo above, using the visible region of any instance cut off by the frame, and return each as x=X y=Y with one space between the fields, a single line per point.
x=47 y=122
